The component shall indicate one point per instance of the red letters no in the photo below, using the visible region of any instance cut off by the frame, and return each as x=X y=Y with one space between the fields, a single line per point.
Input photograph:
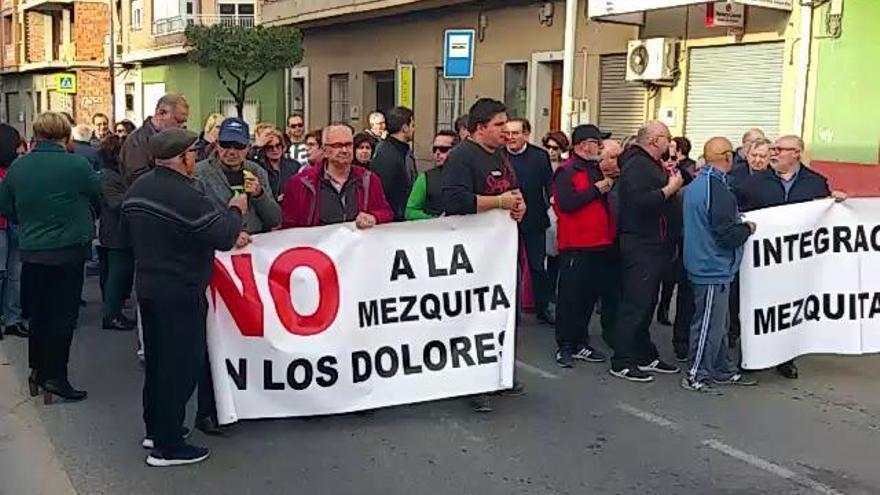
x=328 y=290
x=245 y=306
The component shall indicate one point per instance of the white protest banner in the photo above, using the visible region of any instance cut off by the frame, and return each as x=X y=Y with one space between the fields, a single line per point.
x=334 y=319
x=810 y=282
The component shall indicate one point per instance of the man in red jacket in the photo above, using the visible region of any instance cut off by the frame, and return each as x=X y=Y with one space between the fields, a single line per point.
x=337 y=192
x=586 y=234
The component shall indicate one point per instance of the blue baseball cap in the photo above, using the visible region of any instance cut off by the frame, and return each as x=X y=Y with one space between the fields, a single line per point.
x=234 y=130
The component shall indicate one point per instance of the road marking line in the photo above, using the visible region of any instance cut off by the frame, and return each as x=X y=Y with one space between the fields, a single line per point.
x=535 y=370
x=770 y=467
x=648 y=416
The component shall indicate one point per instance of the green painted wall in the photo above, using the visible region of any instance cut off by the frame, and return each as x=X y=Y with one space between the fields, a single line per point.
x=202 y=89
x=847 y=108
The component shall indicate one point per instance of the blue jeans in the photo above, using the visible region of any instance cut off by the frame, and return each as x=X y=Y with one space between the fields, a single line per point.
x=10 y=275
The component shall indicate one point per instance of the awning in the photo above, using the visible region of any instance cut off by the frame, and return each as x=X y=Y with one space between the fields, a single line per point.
x=610 y=10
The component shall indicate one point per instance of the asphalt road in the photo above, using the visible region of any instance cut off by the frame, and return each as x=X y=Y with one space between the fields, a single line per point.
x=576 y=431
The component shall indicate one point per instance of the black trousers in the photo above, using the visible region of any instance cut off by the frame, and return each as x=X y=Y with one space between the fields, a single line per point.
x=119 y=279
x=535 y=244
x=586 y=277
x=553 y=275
x=734 y=330
x=684 y=313
x=174 y=351
x=671 y=279
x=643 y=266
x=52 y=294
x=207 y=405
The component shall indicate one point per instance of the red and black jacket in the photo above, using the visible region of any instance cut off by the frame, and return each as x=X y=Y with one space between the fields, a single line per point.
x=585 y=220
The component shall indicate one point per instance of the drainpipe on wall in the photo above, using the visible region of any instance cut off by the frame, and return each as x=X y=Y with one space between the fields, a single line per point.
x=803 y=69
x=571 y=15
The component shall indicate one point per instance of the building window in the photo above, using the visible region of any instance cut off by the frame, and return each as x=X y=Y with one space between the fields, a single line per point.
x=226 y=106
x=137 y=14
x=236 y=8
x=516 y=89
x=339 y=99
x=129 y=97
x=450 y=101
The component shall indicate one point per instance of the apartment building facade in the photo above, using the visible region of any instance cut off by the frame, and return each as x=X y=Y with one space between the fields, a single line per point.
x=152 y=61
x=734 y=65
x=54 y=57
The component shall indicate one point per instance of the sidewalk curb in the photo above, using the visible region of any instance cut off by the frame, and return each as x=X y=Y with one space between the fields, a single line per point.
x=29 y=464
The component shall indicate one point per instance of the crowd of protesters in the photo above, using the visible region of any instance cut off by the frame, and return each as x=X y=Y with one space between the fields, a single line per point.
x=605 y=226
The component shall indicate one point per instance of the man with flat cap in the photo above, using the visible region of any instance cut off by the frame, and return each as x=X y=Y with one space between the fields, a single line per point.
x=174 y=230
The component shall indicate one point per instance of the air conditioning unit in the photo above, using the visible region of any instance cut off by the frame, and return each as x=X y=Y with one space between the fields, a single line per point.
x=652 y=60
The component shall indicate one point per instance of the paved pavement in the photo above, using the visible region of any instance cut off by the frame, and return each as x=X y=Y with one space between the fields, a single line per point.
x=576 y=432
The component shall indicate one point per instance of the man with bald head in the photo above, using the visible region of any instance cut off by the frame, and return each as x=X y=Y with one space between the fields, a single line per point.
x=714 y=235
x=338 y=192
x=647 y=191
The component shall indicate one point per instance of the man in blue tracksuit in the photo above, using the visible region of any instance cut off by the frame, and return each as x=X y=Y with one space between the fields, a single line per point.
x=714 y=236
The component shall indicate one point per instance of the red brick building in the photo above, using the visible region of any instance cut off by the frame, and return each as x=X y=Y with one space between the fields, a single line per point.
x=54 y=57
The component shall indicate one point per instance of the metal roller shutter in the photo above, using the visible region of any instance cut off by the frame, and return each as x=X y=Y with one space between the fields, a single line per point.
x=731 y=89
x=621 y=103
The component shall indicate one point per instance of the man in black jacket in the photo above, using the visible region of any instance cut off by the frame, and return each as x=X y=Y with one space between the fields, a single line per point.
x=647 y=203
x=535 y=176
x=787 y=181
x=394 y=162
x=741 y=156
x=174 y=230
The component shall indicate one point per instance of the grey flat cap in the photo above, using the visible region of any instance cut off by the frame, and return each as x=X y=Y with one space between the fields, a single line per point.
x=171 y=142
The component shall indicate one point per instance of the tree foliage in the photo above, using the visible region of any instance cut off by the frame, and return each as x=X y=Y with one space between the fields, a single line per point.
x=242 y=56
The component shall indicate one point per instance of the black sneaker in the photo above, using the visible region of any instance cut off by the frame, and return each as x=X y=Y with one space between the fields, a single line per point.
x=517 y=390
x=564 y=358
x=18 y=330
x=481 y=403
x=658 y=366
x=681 y=358
x=632 y=374
x=149 y=443
x=590 y=355
x=697 y=386
x=180 y=456
x=738 y=379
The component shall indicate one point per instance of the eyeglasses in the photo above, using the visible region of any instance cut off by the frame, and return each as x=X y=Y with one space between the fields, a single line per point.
x=442 y=149
x=232 y=145
x=296 y=126
x=340 y=146
x=779 y=149
x=552 y=148
x=274 y=147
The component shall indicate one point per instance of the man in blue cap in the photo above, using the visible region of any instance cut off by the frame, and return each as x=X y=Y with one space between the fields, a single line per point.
x=222 y=176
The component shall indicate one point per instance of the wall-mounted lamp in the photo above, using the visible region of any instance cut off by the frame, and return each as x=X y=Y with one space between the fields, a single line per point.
x=482 y=24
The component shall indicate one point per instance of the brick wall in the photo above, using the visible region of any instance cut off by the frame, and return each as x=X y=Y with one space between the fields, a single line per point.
x=92 y=94
x=35 y=36
x=91 y=25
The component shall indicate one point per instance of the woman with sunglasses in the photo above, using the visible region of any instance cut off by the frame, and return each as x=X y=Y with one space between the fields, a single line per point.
x=363 y=149
x=277 y=164
x=556 y=144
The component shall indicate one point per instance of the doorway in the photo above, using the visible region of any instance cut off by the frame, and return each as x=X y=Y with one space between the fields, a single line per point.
x=378 y=91
x=545 y=101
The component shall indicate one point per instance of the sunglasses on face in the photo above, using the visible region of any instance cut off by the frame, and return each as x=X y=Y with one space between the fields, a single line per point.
x=296 y=126
x=232 y=145
x=274 y=147
x=552 y=148
x=442 y=149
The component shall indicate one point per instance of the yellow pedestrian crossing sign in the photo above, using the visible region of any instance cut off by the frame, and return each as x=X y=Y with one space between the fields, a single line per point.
x=65 y=83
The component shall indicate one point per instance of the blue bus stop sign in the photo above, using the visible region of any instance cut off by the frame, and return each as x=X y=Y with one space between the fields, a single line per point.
x=458 y=53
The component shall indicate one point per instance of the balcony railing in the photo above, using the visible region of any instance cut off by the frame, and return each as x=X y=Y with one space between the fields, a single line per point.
x=178 y=24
